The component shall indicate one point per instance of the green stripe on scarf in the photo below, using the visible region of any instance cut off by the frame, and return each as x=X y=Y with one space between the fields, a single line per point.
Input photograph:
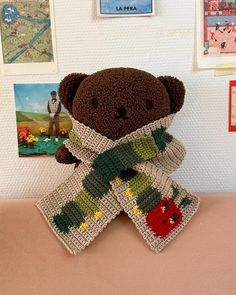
x=139 y=183
x=94 y=184
x=145 y=147
x=87 y=203
x=161 y=138
x=148 y=199
x=106 y=166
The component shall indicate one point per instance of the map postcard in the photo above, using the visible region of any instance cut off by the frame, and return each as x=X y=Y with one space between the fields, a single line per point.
x=216 y=33
x=123 y=8
x=27 y=37
x=42 y=122
x=232 y=106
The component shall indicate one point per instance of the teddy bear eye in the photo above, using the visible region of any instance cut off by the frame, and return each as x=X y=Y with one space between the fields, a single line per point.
x=94 y=103
x=149 y=104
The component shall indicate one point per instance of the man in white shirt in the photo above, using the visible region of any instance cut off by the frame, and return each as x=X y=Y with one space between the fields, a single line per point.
x=54 y=109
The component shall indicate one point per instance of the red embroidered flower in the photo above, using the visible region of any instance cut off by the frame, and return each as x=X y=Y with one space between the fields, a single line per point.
x=164 y=217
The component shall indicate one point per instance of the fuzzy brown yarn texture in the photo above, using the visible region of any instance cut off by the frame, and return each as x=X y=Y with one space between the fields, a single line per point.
x=117 y=101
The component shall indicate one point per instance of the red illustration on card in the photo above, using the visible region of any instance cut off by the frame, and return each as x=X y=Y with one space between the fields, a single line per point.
x=219 y=27
x=232 y=106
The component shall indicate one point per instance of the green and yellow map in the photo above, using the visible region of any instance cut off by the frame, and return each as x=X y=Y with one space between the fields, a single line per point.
x=26 y=31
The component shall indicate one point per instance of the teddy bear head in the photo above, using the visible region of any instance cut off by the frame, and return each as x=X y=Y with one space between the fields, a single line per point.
x=118 y=101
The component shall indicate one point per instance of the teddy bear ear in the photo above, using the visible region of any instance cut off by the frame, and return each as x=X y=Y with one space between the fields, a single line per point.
x=68 y=87
x=176 y=91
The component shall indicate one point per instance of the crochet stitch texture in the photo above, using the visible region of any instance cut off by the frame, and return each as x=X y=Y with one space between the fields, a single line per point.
x=129 y=174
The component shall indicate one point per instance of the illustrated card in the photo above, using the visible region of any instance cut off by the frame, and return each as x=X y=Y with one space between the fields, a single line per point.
x=216 y=33
x=232 y=106
x=27 y=37
x=119 y=8
x=42 y=122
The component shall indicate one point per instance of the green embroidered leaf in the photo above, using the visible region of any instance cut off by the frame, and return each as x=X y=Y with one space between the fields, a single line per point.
x=175 y=192
x=162 y=138
x=185 y=202
x=167 y=137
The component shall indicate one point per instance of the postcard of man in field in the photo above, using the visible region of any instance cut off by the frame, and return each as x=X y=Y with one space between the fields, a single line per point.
x=42 y=122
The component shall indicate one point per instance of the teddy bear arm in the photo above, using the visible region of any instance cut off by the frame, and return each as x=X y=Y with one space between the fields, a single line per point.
x=63 y=156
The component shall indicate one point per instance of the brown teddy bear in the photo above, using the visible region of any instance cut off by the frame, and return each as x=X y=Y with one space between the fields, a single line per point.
x=118 y=101
x=123 y=157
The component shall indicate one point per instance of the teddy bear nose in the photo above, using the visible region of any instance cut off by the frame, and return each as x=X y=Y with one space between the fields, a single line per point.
x=121 y=111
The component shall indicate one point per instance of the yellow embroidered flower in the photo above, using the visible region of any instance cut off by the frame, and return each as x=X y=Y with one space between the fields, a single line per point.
x=137 y=211
x=128 y=192
x=171 y=221
x=98 y=214
x=84 y=226
x=118 y=180
x=163 y=208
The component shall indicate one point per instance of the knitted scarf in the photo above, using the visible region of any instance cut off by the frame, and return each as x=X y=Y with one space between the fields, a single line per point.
x=130 y=174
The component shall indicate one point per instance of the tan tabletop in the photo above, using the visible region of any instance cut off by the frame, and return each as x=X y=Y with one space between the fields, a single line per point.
x=201 y=260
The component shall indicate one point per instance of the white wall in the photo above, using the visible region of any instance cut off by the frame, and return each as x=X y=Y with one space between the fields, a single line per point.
x=163 y=44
